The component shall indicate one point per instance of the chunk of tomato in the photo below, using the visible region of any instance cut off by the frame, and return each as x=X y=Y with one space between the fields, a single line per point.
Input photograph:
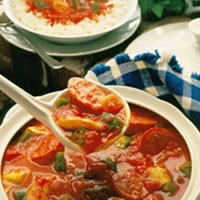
x=45 y=153
x=85 y=94
x=154 y=140
x=11 y=153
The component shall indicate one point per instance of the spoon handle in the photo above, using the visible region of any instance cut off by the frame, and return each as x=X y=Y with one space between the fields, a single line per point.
x=27 y=101
x=53 y=63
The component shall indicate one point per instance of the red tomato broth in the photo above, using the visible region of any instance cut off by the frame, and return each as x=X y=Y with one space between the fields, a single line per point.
x=87 y=171
x=63 y=12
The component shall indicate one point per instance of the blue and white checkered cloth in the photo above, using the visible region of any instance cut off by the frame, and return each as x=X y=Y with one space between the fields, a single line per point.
x=158 y=74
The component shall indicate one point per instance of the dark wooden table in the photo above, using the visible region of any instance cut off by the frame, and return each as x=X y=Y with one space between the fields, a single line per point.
x=28 y=71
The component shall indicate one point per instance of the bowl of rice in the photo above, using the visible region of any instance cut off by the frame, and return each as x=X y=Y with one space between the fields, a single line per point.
x=69 y=21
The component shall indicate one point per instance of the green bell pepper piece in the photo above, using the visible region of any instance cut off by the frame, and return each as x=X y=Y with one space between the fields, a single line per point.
x=40 y=4
x=111 y=164
x=186 y=168
x=169 y=187
x=112 y=121
x=95 y=7
x=60 y=164
x=61 y=101
x=20 y=194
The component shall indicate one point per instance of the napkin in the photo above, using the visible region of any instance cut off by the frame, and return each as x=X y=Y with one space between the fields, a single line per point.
x=157 y=73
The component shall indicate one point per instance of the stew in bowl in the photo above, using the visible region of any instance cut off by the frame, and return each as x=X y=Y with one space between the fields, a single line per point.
x=152 y=161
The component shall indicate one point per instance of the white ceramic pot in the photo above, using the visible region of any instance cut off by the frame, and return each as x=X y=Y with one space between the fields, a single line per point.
x=18 y=117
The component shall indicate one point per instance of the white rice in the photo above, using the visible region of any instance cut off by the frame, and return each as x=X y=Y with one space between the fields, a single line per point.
x=85 y=27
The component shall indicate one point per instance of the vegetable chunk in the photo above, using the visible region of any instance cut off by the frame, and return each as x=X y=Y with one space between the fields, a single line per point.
x=111 y=103
x=60 y=164
x=72 y=123
x=186 y=168
x=69 y=117
x=112 y=121
x=123 y=142
x=160 y=174
x=60 y=5
x=97 y=192
x=16 y=176
x=169 y=187
x=40 y=189
x=20 y=194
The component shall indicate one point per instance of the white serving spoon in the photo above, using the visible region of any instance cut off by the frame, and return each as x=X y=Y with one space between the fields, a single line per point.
x=42 y=111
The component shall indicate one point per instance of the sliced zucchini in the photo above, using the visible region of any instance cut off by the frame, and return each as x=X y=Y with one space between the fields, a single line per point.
x=123 y=142
x=78 y=136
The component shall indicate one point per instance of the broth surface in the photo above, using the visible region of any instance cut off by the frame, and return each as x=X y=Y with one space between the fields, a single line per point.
x=151 y=162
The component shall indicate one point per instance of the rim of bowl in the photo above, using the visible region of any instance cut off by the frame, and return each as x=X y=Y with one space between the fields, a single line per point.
x=189 y=132
x=132 y=6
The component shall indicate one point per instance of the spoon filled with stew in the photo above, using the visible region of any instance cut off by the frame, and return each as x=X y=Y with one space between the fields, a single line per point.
x=86 y=116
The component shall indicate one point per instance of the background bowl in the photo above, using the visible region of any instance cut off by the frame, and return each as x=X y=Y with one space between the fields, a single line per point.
x=188 y=131
x=132 y=6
